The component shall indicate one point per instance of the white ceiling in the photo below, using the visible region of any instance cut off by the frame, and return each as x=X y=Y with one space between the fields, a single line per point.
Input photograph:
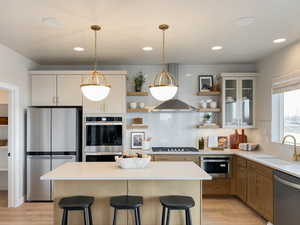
x=129 y=25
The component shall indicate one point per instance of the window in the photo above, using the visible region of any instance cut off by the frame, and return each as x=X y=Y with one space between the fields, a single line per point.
x=291 y=118
x=286 y=113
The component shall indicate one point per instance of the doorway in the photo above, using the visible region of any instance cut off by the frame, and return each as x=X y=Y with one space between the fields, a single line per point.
x=12 y=154
x=4 y=100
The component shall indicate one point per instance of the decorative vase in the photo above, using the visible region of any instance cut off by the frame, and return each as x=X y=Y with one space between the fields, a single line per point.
x=138 y=88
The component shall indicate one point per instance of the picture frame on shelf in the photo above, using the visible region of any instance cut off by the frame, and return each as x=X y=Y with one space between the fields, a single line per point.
x=205 y=82
x=222 y=142
x=137 y=140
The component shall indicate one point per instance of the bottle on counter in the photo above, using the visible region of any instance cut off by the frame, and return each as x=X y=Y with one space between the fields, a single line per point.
x=201 y=143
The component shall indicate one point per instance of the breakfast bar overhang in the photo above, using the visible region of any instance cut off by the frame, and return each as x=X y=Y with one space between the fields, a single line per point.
x=105 y=180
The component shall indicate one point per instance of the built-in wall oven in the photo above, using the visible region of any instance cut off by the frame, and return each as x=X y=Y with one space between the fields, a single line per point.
x=103 y=134
x=216 y=166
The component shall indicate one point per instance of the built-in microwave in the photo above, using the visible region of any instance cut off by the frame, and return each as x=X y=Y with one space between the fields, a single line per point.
x=103 y=134
x=216 y=166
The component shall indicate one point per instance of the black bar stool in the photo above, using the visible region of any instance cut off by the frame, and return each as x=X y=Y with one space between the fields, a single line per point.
x=126 y=202
x=176 y=202
x=83 y=203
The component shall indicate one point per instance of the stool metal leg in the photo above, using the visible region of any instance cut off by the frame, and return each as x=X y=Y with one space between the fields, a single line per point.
x=115 y=217
x=189 y=218
x=136 y=217
x=86 y=216
x=90 y=216
x=163 y=217
x=139 y=216
x=168 y=217
x=65 y=217
x=186 y=217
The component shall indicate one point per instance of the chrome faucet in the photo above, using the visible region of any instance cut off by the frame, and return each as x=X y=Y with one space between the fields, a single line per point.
x=295 y=155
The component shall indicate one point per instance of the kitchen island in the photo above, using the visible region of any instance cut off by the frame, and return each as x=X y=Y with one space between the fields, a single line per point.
x=104 y=180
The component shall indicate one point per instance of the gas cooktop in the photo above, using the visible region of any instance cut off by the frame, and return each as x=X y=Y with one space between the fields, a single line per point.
x=174 y=149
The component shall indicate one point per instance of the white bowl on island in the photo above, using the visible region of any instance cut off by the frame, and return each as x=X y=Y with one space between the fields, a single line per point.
x=133 y=163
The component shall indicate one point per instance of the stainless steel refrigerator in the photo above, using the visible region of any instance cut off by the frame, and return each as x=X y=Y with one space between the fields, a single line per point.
x=53 y=137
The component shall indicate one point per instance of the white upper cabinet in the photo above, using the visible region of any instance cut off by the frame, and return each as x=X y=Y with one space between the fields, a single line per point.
x=63 y=89
x=115 y=102
x=68 y=91
x=238 y=100
x=43 y=90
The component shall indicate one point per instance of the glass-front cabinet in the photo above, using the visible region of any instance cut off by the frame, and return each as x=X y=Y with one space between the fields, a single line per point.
x=238 y=100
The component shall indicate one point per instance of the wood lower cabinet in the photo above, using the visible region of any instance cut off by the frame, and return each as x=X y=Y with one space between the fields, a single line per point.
x=241 y=178
x=250 y=181
x=217 y=186
x=260 y=189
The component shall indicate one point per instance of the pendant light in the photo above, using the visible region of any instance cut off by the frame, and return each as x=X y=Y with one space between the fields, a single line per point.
x=96 y=87
x=164 y=86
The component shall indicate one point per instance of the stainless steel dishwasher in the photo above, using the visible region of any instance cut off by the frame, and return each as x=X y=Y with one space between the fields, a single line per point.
x=286 y=199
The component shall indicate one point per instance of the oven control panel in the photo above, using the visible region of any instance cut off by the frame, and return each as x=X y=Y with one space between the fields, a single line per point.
x=103 y=119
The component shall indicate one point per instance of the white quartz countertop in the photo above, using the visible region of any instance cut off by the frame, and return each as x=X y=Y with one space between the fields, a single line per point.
x=289 y=167
x=110 y=171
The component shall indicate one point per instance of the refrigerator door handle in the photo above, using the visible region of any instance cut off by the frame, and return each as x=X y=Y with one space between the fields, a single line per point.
x=63 y=157
x=38 y=157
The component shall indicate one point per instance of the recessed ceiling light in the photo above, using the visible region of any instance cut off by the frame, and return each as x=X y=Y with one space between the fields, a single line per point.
x=78 y=49
x=51 y=21
x=216 y=48
x=147 y=48
x=279 y=40
x=245 y=21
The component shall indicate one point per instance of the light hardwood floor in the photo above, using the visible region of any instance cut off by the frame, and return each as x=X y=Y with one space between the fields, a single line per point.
x=217 y=211
x=229 y=211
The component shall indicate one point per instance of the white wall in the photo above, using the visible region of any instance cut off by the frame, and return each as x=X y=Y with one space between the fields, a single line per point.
x=279 y=63
x=14 y=70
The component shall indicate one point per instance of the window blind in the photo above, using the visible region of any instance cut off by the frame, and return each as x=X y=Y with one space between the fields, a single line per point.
x=285 y=83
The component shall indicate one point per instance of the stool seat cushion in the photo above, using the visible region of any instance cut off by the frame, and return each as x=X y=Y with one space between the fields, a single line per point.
x=126 y=202
x=76 y=202
x=177 y=202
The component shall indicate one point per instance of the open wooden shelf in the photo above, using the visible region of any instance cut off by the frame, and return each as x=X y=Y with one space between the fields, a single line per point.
x=132 y=93
x=137 y=127
x=209 y=110
x=138 y=110
x=208 y=93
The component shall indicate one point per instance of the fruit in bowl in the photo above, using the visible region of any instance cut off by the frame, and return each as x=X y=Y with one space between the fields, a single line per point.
x=133 y=161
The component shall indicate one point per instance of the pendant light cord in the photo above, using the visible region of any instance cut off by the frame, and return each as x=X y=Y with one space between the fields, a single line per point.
x=163 y=52
x=95 y=52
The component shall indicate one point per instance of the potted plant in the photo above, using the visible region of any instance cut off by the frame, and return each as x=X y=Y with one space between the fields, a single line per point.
x=139 y=80
x=206 y=118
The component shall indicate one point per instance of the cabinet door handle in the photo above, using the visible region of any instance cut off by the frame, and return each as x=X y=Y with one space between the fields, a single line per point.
x=57 y=100
x=54 y=99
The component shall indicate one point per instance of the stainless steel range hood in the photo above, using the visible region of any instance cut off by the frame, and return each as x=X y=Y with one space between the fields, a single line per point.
x=174 y=104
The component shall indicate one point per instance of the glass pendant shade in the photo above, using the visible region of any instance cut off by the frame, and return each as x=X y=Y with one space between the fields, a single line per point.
x=164 y=87
x=96 y=87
